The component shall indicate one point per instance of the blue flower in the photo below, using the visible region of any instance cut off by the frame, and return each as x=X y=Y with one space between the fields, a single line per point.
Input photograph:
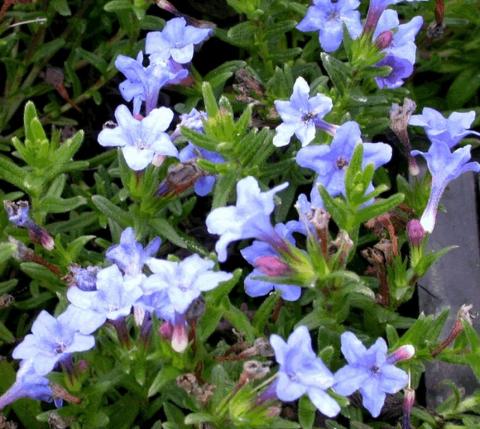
x=52 y=339
x=444 y=166
x=112 y=299
x=302 y=372
x=259 y=249
x=18 y=213
x=140 y=140
x=176 y=40
x=449 y=130
x=28 y=384
x=401 y=52
x=328 y=18
x=129 y=255
x=301 y=115
x=83 y=278
x=174 y=286
x=143 y=84
x=371 y=371
x=250 y=218
x=194 y=121
x=330 y=161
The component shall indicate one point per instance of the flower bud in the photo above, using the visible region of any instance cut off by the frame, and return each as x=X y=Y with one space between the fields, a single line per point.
x=272 y=266
x=404 y=352
x=166 y=330
x=384 y=39
x=408 y=402
x=41 y=236
x=179 y=337
x=415 y=232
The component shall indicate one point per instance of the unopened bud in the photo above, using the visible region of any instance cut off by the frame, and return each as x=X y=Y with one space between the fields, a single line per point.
x=384 y=40
x=138 y=314
x=41 y=236
x=408 y=402
x=272 y=266
x=166 y=330
x=179 y=337
x=415 y=232
x=402 y=353
x=82 y=366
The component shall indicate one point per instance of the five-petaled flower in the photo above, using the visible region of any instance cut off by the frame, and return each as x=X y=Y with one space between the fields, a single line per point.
x=328 y=18
x=372 y=371
x=301 y=115
x=250 y=218
x=140 y=140
x=449 y=130
x=302 y=372
x=52 y=340
x=330 y=161
x=176 y=40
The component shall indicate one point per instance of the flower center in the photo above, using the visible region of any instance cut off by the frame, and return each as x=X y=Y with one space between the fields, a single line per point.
x=308 y=117
x=375 y=369
x=140 y=144
x=60 y=347
x=341 y=162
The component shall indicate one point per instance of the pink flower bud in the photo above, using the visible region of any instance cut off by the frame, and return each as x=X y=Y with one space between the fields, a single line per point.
x=402 y=353
x=384 y=39
x=271 y=266
x=179 y=337
x=166 y=330
x=415 y=232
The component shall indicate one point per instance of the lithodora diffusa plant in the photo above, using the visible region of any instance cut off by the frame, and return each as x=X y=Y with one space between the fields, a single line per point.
x=238 y=251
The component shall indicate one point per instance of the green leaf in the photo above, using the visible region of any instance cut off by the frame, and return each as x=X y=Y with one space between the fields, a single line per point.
x=165 y=375
x=13 y=174
x=242 y=34
x=6 y=251
x=199 y=139
x=306 y=412
x=115 y=5
x=198 y=418
x=47 y=50
x=113 y=212
x=209 y=100
x=240 y=322
x=378 y=208
x=209 y=322
x=223 y=188
x=264 y=312
x=61 y=6
x=5 y=335
x=95 y=60
x=464 y=87
x=338 y=72
x=52 y=204
x=163 y=228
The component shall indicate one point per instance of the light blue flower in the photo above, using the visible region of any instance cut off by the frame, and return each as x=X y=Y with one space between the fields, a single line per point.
x=449 y=130
x=331 y=161
x=302 y=372
x=255 y=287
x=250 y=218
x=143 y=84
x=176 y=40
x=401 y=52
x=52 y=339
x=174 y=286
x=444 y=166
x=301 y=115
x=371 y=371
x=140 y=140
x=129 y=255
x=328 y=18
x=113 y=299
x=28 y=384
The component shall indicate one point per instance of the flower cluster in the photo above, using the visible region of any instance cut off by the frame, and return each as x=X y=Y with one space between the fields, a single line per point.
x=110 y=294
x=143 y=138
x=371 y=371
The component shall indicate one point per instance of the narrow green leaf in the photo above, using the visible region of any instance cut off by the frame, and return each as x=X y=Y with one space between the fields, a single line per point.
x=338 y=71
x=199 y=139
x=13 y=174
x=198 y=418
x=240 y=322
x=47 y=50
x=378 y=208
x=264 y=312
x=6 y=251
x=51 y=204
x=223 y=188
x=166 y=230
x=306 y=412
x=209 y=100
x=166 y=374
x=113 y=212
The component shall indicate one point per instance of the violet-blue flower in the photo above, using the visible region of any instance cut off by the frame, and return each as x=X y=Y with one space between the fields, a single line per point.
x=260 y=250
x=330 y=161
x=444 y=166
x=143 y=84
x=302 y=372
x=301 y=115
x=450 y=130
x=28 y=384
x=176 y=40
x=250 y=218
x=371 y=371
x=52 y=339
x=175 y=286
x=112 y=299
x=129 y=255
x=401 y=52
x=140 y=140
x=328 y=18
